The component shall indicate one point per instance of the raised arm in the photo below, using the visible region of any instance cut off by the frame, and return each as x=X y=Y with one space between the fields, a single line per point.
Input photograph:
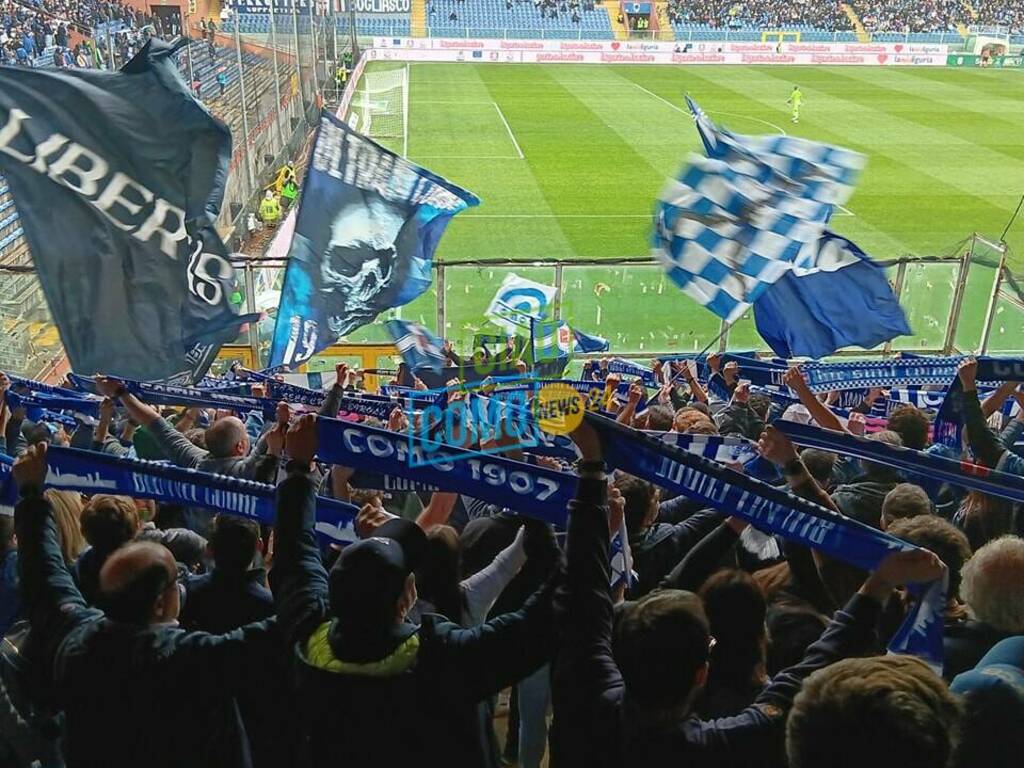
x=696 y=390
x=983 y=443
x=995 y=400
x=298 y=579
x=438 y=509
x=332 y=402
x=584 y=668
x=102 y=440
x=625 y=416
x=5 y=412
x=139 y=411
x=173 y=443
x=821 y=413
x=52 y=601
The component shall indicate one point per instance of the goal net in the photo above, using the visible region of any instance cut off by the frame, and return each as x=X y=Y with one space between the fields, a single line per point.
x=379 y=108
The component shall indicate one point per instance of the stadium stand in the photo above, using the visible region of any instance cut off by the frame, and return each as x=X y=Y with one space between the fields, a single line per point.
x=259 y=24
x=199 y=618
x=546 y=18
x=885 y=20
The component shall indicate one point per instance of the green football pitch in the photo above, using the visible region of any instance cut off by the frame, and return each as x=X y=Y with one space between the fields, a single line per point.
x=568 y=161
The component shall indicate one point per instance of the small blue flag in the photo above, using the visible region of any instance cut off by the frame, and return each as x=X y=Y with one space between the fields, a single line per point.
x=705 y=128
x=585 y=342
x=418 y=347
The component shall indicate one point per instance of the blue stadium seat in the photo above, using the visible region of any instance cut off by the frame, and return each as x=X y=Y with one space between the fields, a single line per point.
x=490 y=18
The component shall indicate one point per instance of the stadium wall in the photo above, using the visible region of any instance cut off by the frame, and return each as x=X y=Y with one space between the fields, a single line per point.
x=626 y=52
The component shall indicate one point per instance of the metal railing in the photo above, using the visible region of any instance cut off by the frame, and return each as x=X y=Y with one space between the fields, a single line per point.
x=984 y=312
x=683 y=34
x=968 y=302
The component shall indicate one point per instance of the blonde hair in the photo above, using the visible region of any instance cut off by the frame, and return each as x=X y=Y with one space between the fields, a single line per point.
x=67 y=511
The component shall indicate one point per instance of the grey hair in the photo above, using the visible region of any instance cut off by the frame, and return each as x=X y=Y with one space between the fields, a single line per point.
x=993 y=584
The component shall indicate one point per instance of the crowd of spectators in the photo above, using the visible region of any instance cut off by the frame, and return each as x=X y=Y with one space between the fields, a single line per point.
x=261 y=646
x=876 y=15
x=768 y=14
x=910 y=15
x=88 y=14
x=1000 y=13
x=548 y=9
x=66 y=31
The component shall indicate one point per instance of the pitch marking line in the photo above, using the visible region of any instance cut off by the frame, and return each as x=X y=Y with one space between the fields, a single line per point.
x=460 y=103
x=842 y=210
x=469 y=157
x=508 y=128
x=686 y=112
x=556 y=216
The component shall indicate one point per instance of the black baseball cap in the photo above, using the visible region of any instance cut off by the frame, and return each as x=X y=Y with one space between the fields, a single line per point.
x=369 y=576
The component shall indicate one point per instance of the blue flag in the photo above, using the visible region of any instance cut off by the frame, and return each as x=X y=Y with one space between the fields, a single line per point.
x=118 y=179
x=843 y=299
x=418 y=347
x=586 y=342
x=367 y=228
x=731 y=224
x=705 y=128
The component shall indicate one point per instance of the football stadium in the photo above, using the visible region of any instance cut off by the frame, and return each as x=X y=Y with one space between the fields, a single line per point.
x=511 y=383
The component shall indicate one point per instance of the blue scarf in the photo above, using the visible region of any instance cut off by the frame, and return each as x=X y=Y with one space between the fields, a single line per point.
x=38 y=401
x=529 y=490
x=628 y=367
x=823 y=377
x=191 y=397
x=91 y=472
x=925 y=399
x=773 y=510
x=38 y=386
x=368 y=405
x=907 y=460
x=724 y=450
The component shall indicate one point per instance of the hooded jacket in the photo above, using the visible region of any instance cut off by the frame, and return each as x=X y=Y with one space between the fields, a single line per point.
x=415 y=700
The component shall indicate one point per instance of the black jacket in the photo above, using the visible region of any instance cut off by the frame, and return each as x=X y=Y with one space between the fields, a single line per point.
x=120 y=684
x=964 y=644
x=591 y=728
x=220 y=602
x=416 y=705
x=661 y=547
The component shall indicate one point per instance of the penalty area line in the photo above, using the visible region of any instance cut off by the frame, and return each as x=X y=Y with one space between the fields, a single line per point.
x=508 y=128
x=686 y=112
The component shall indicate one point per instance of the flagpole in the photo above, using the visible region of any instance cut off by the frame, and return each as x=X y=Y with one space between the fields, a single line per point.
x=722 y=333
x=533 y=346
x=1002 y=237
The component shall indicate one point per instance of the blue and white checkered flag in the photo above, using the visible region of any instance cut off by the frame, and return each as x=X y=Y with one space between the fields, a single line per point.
x=732 y=224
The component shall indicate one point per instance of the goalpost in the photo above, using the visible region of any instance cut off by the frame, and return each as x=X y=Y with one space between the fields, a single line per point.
x=380 y=108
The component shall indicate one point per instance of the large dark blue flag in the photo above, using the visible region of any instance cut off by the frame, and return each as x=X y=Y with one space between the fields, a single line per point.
x=367 y=228
x=844 y=299
x=118 y=177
